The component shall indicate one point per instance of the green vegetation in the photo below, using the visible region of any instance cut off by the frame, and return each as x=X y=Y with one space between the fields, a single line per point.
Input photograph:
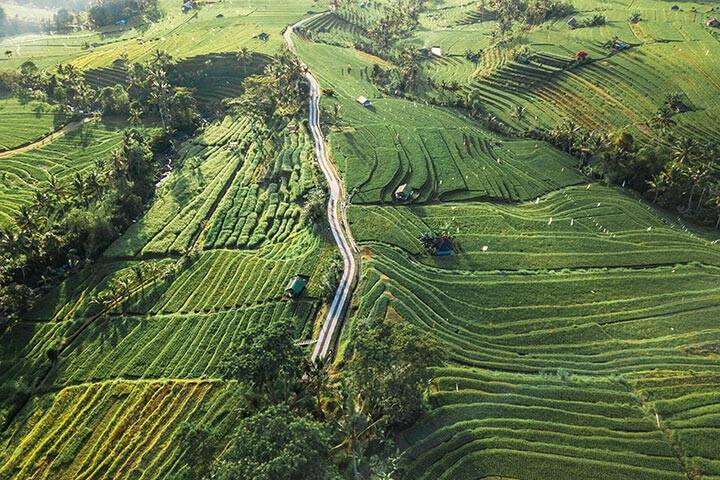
x=577 y=318
x=24 y=123
x=532 y=187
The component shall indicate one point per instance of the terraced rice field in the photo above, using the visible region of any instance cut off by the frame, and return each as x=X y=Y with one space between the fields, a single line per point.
x=182 y=35
x=559 y=317
x=578 y=227
x=671 y=51
x=251 y=189
x=23 y=123
x=580 y=321
x=23 y=174
x=592 y=428
x=125 y=353
x=441 y=155
x=115 y=429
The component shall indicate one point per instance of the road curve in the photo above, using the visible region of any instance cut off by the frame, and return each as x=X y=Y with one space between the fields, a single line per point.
x=336 y=212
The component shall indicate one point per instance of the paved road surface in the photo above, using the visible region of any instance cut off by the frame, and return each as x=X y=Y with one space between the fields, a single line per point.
x=336 y=210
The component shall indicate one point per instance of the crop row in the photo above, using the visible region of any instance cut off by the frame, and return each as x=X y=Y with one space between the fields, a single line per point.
x=586 y=226
x=114 y=429
x=574 y=428
x=168 y=346
x=25 y=173
x=23 y=123
x=262 y=204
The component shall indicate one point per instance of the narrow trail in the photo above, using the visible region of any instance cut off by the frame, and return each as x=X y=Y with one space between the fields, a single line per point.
x=337 y=218
x=51 y=137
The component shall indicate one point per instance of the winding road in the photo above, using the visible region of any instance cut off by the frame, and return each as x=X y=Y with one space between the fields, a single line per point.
x=337 y=217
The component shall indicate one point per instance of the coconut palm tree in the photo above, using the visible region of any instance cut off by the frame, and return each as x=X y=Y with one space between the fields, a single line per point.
x=684 y=150
x=519 y=112
x=657 y=184
x=663 y=118
x=244 y=56
x=714 y=202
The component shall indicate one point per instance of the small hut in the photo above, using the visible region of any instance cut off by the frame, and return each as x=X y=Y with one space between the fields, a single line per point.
x=445 y=247
x=436 y=51
x=263 y=36
x=403 y=192
x=581 y=56
x=675 y=8
x=572 y=23
x=713 y=22
x=364 y=101
x=296 y=286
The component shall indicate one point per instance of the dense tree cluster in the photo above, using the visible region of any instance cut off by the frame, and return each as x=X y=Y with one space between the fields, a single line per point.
x=345 y=419
x=277 y=444
x=677 y=172
x=531 y=12
x=397 y=20
x=280 y=91
x=68 y=223
x=149 y=93
x=108 y=12
x=403 y=77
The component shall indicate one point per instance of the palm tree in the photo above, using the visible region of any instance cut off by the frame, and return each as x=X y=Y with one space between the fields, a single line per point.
x=663 y=118
x=657 y=184
x=684 y=150
x=78 y=188
x=354 y=428
x=714 y=201
x=244 y=56
x=139 y=277
x=519 y=112
x=54 y=189
x=428 y=241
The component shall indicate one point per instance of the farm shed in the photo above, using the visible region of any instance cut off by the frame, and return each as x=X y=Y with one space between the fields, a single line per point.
x=675 y=8
x=364 y=101
x=445 y=247
x=296 y=286
x=424 y=52
x=187 y=6
x=264 y=36
x=403 y=192
x=572 y=23
x=713 y=22
x=292 y=128
x=436 y=51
